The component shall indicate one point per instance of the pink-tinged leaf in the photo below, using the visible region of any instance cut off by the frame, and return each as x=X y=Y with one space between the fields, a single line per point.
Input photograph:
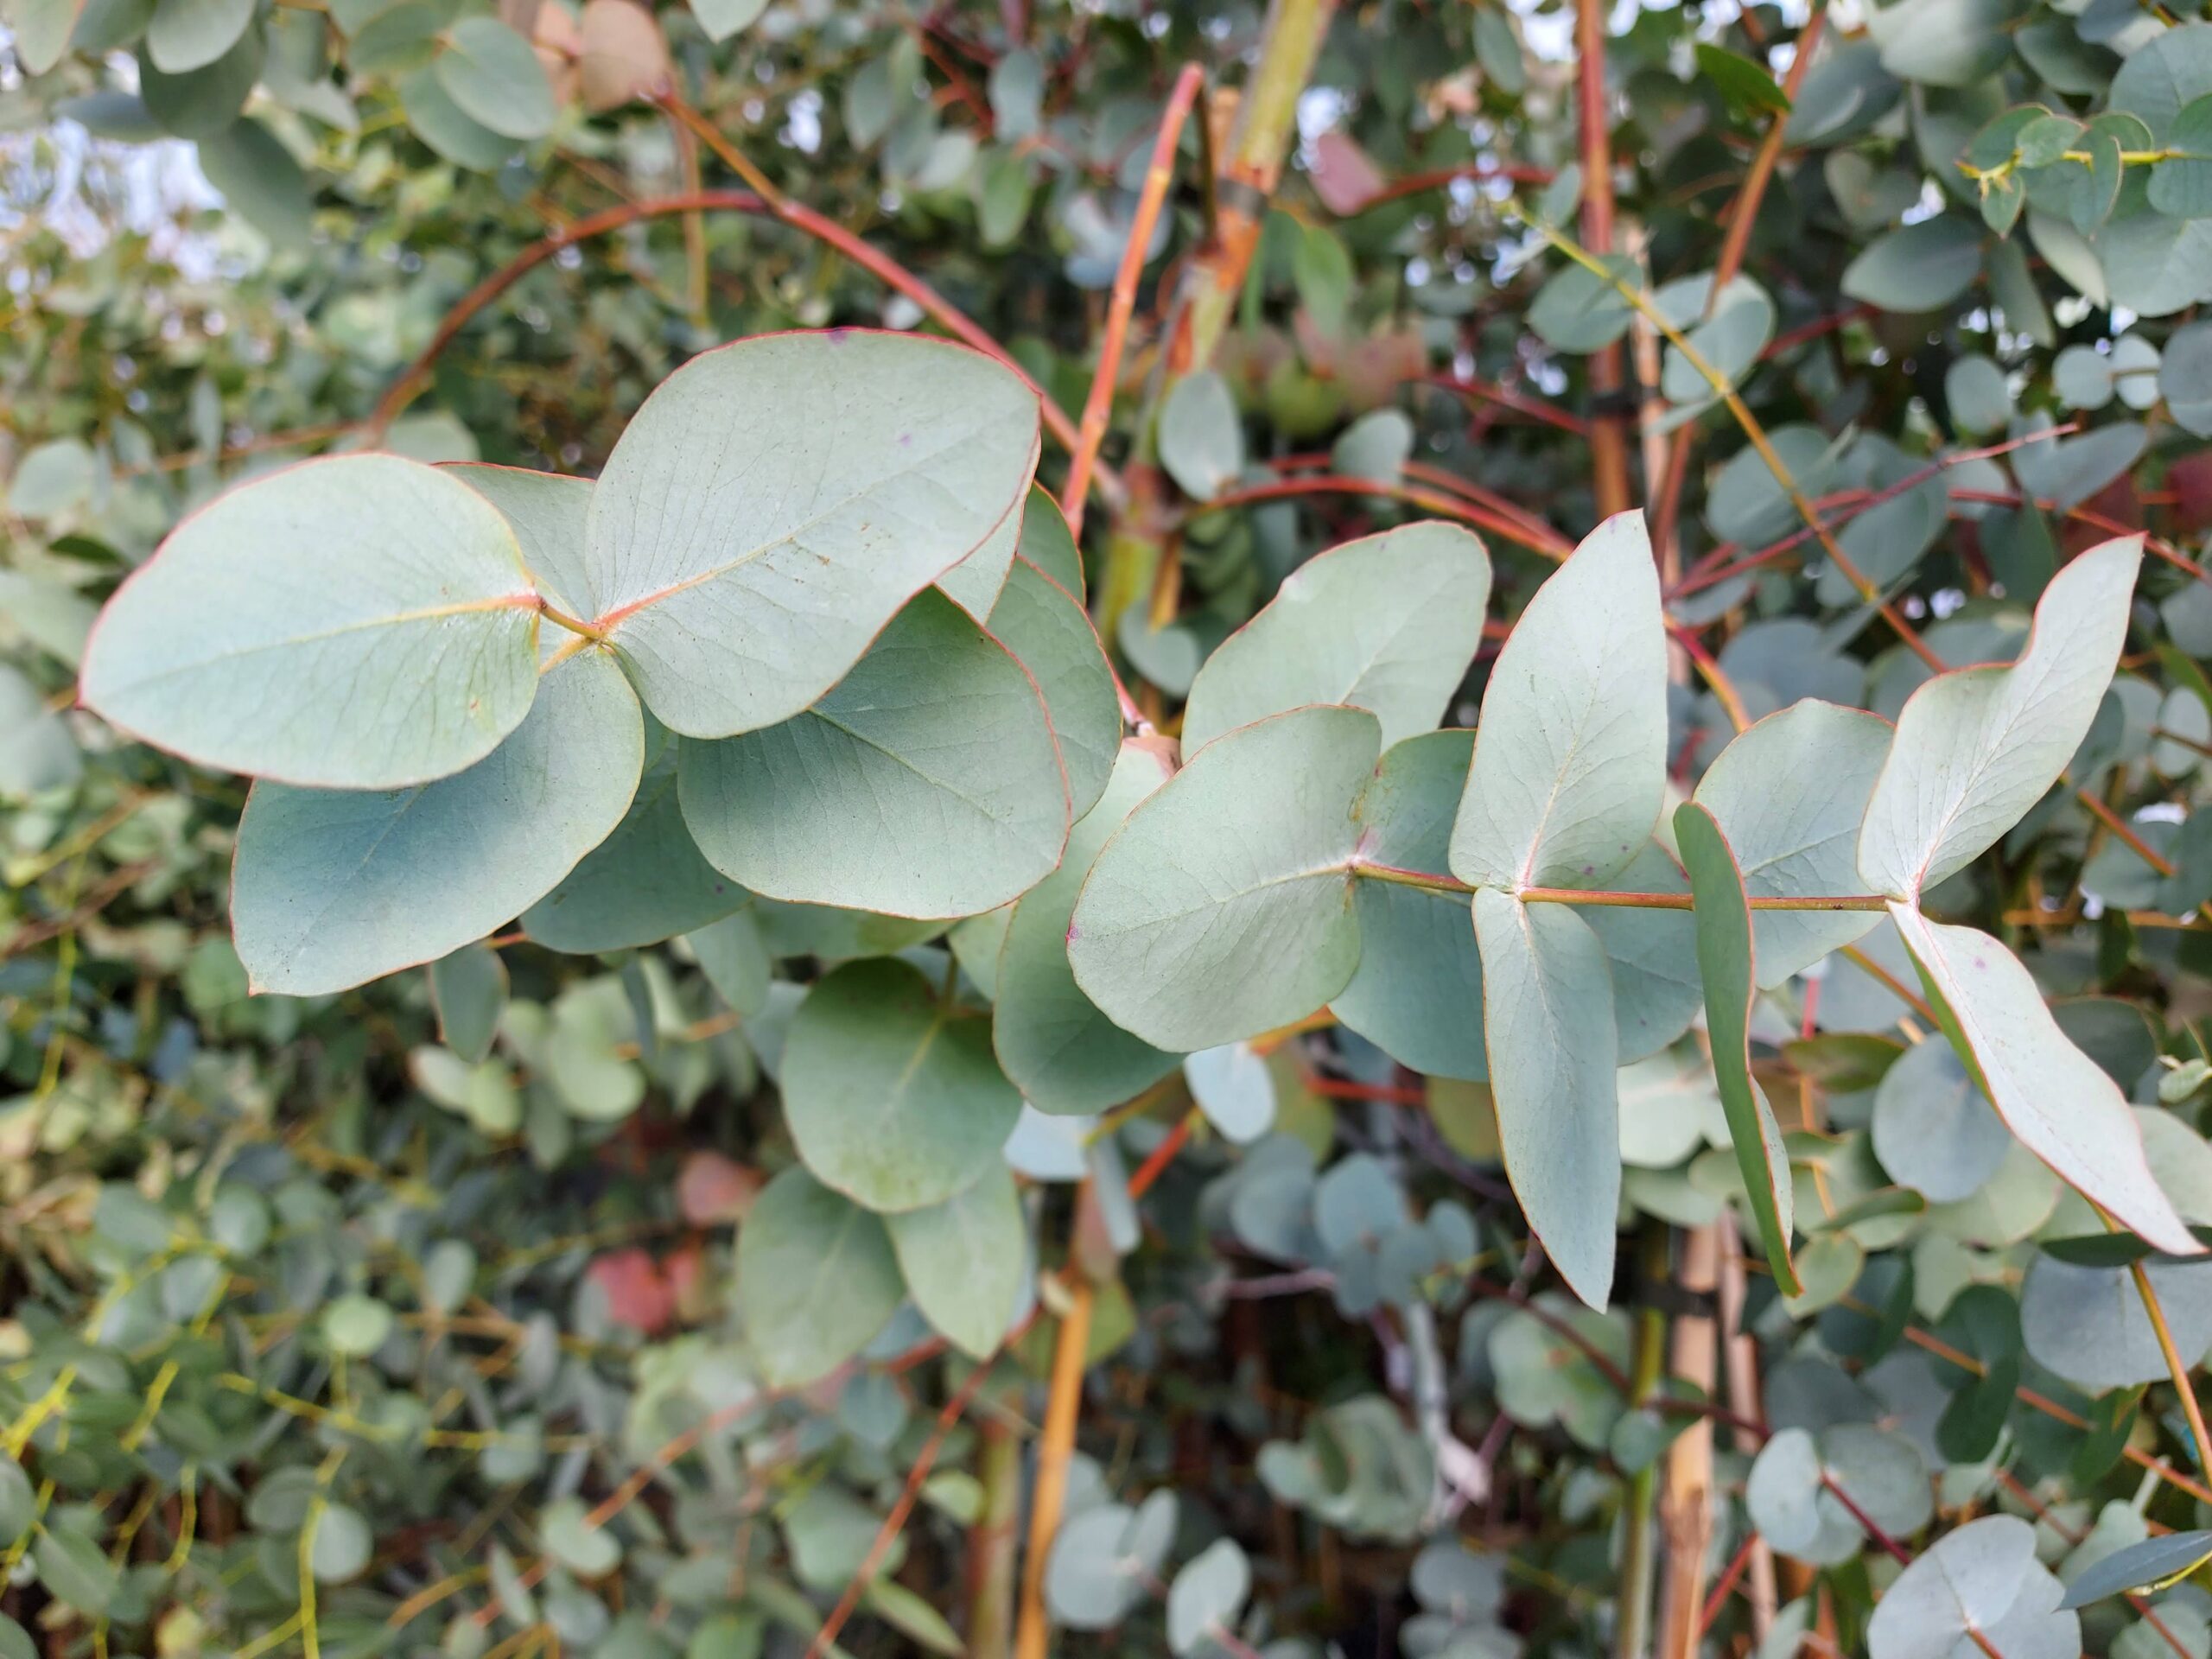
x=713 y=1190
x=637 y=1292
x=1343 y=177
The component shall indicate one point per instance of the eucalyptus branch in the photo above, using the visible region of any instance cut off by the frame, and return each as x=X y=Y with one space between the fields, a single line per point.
x=1607 y=899
x=2177 y=1367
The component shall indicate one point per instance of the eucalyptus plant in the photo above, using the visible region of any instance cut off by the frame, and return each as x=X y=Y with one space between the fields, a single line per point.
x=1297 y=831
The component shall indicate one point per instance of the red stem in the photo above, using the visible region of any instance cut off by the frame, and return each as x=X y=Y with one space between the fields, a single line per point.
x=1099 y=403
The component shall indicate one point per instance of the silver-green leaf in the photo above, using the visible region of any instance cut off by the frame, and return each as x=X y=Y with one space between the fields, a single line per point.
x=1570 y=768
x=1387 y=623
x=363 y=622
x=1223 y=908
x=776 y=502
x=927 y=784
x=334 y=888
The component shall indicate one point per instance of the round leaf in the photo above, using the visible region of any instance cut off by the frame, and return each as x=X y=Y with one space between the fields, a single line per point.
x=892 y=1093
x=364 y=622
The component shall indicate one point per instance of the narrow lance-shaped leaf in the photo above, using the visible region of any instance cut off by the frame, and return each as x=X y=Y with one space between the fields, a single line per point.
x=1223 y=908
x=1726 y=959
x=1976 y=748
x=1547 y=1023
x=334 y=888
x=1570 y=768
x=363 y=622
x=2152 y=1565
x=776 y=502
x=1387 y=623
x=2055 y=1098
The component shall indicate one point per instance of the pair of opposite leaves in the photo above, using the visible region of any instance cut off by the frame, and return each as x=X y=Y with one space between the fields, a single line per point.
x=757 y=562
x=1232 y=901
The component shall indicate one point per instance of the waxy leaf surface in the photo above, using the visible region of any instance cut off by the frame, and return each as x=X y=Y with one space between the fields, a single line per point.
x=2057 y=1101
x=334 y=888
x=1387 y=623
x=1547 y=1019
x=892 y=1096
x=927 y=784
x=1223 y=908
x=1570 y=766
x=1976 y=748
x=776 y=502
x=364 y=622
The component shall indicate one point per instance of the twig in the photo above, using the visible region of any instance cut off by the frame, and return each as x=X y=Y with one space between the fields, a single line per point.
x=1098 y=405
x=1753 y=431
x=954 y=1408
x=1552 y=544
x=1743 y=212
x=2176 y=1367
x=1608 y=433
x=1055 y=1446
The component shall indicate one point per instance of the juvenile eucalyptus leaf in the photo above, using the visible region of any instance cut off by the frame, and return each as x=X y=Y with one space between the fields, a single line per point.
x=1570 y=753
x=1934 y=1129
x=1976 y=748
x=547 y=513
x=891 y=1091
x=1727 y=960
x=1222 y=907
x=2056 y=1101
x=358 y=623
x=1917 y=267
x=1056 y=1045
x=494 y=75
x=776 y=502
x=1207 y=1595
x=1202 y=436
x=963 y=1260
x=1548 y=1020
x=646 y=882
x=974 y=583
x=469 y=988
x=1652 y=956
x=874 y=800
x=1047 y=631
x=815 y=1279
x=188 y=35
x=1387 y=623
x=37 y=751
x=2087 y=1322
x=1981 y=1579
x=1047 y=543
x=334 y=888
x=1418 y=992
x=1789 y=795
